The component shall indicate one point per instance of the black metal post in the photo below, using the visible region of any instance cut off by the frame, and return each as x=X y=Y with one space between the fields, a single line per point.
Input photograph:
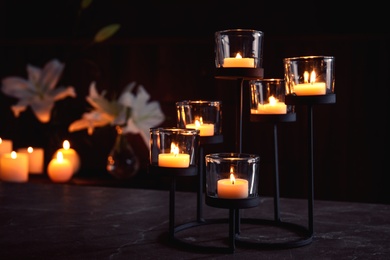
x=199 y=213
x=172 y=207
x=311 y=169
x=232 y=231
x=240 y=119
x=276 y=196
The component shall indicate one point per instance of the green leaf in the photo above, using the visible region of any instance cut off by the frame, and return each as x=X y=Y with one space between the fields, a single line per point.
x=85 y=4
x=106 y=32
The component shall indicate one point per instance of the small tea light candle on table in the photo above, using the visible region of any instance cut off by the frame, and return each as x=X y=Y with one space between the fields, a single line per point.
x=60 y=169
x=5 y=146
x=232 y=188
x=14 y=167
x=35 y=159
x=204 y=129
x=70 y=154
x=273 y=107
x=174 y=159
x=310 y=88
x=239 y=62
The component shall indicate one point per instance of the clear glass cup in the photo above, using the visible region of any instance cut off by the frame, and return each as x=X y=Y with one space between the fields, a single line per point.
x=232 y=175
x=310 y=75
x=268 y=96
x=203 y=115
x=173 y=147
x=239 y=48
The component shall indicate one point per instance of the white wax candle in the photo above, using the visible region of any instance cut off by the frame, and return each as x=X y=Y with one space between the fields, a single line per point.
x=70 y=154
x=180 y=160
x=238 y=62
x=5 y=146
x=204 y=129
x=232 y=188
x=273 y=107
x=14 y=167
x=60 y=169
x=35 y=159
x=309 y=89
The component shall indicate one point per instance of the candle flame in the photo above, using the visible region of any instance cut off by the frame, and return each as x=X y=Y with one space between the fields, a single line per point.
x=313 y=77
x=232 y=179
x=14 y=155
x=272 y=100
x=30 y=149
x=238 y=56
x=66 y=145
x=60 y=156
x=1 y=140
x=306 y=77
x=198 y=122
x=174 y=149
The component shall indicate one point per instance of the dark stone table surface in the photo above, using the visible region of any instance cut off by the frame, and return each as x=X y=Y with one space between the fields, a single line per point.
x=62 y=221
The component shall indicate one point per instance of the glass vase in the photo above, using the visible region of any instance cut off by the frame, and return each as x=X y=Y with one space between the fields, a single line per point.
x=122 y=162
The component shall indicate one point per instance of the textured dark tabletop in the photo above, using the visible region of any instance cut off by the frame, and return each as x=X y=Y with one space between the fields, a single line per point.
x=60 y=221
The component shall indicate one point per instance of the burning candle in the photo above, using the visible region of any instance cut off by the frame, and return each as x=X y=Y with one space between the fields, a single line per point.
x=174 y=159
x=204 y=129
x=60 y=169
x=5 y=146
x=239 y=62
x=35 y=159
x=232 y=188
x=14 y=167
x=310 y=88
x=70 y=154
x=273 y=107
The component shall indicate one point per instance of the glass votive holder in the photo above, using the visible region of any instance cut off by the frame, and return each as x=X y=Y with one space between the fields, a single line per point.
x=239 y=48
x=309 y=75
x=173 y=147
x=232 y=175
x=205 y=116
x=268 y=97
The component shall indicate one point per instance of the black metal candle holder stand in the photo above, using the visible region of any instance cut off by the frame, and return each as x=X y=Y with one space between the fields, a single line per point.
x=305 y=235
x=234 y=206
x=204 y=140
x=309 y=101
x=200 y=221
x=275 y=119
x=240 y=74
x=252 y=74
x=172 y=173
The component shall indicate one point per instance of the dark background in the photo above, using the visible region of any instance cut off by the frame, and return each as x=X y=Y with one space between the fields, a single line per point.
x=169 y=48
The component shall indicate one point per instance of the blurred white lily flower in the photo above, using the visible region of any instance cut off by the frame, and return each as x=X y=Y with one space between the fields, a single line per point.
x=133 y=112
x=38 y=91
